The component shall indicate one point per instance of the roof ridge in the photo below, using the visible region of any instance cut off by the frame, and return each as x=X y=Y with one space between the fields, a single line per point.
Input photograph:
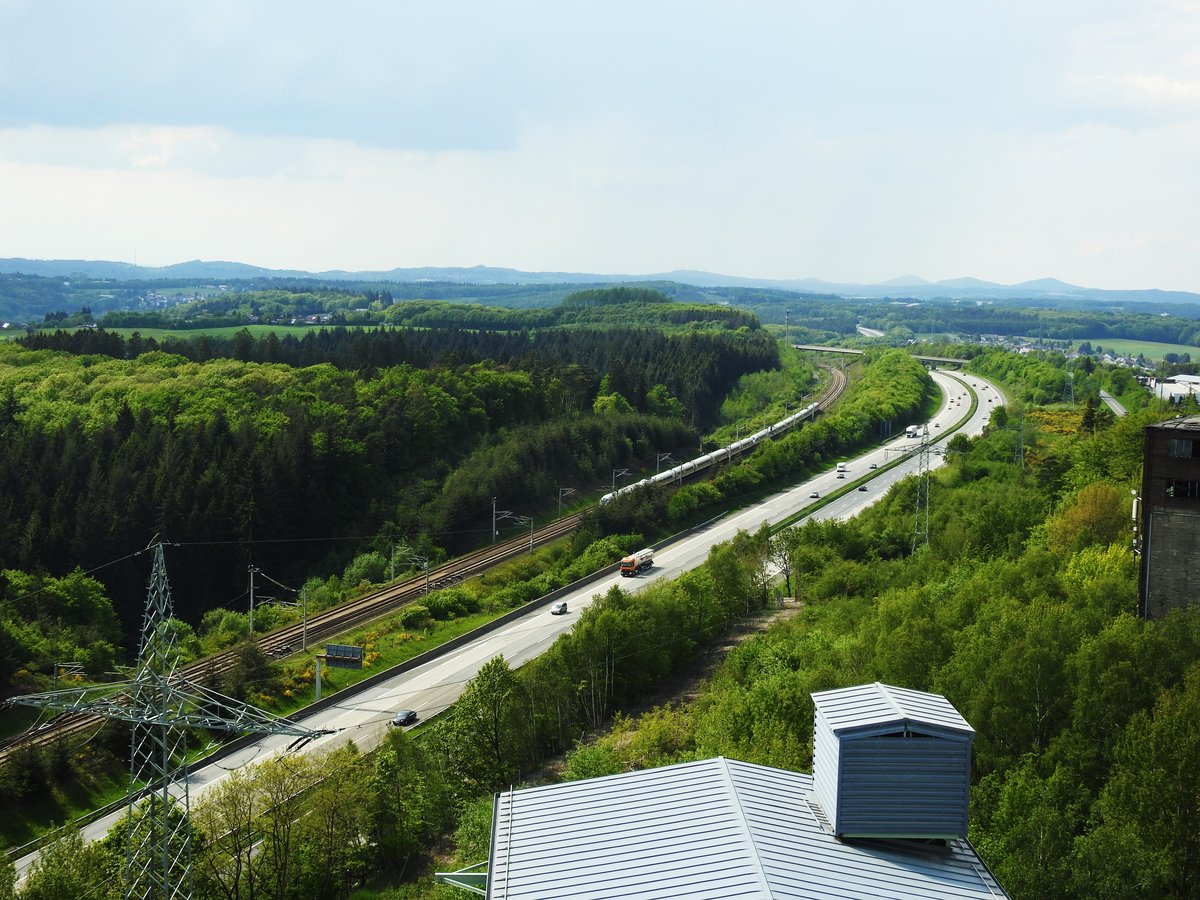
x=886 y=690
x=747 y=834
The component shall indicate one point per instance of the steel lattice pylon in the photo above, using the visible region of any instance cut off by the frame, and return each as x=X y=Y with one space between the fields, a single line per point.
x=158 y=849
x=161 y=705
x=921 y=524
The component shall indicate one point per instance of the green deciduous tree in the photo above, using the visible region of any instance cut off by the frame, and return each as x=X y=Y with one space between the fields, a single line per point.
x=71 y=867
x=1147 y=842
x=408 y=799
x=487 y=737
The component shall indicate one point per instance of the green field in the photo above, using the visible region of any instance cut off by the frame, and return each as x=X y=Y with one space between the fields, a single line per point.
x=227 y=331
x=184 y=333
x=1152 y=350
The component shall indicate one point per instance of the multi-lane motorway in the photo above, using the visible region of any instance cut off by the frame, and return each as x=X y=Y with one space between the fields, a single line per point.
x=363 y=717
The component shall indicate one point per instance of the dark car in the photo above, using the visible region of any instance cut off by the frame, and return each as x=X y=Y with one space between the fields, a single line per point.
x=872 y=466
x=862 y=487
x=404 y=717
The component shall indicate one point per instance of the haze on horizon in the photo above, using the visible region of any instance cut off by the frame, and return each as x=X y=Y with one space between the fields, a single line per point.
x=854 y=142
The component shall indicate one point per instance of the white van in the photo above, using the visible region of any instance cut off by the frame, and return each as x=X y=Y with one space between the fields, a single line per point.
x=841 y=467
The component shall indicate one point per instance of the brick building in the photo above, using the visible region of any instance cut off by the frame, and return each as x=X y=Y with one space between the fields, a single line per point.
x=1170 y=519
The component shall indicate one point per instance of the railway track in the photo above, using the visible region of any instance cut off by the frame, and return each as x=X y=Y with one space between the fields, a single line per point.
x=290 y=638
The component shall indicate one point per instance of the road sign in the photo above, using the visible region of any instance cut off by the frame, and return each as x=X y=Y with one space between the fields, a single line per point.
x=343 y=656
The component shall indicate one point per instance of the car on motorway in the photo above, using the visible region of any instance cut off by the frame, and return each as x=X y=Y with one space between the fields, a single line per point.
x=814 y=495
x=862 y=487
x=559 y=608
x=404 y=717
x=841 y=474
x=872 y=466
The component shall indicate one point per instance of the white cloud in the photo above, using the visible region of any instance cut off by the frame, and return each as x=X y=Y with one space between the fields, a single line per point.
x=1147 y=94
x=1007 y=140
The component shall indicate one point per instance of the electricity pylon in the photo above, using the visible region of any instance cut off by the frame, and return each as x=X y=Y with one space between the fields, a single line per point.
x=161 y=705
x=921 y=523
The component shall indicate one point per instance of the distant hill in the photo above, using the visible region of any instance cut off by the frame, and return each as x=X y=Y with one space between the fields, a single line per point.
x=904 y=287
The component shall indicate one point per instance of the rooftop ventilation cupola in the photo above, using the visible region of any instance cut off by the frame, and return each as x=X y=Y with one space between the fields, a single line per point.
x=891 y=763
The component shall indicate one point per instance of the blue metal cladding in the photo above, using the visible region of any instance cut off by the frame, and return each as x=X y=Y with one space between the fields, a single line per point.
x=891 y=763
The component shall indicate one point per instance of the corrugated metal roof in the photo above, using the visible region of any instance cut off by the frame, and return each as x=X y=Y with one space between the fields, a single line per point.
x=711 y=829
x=876 y=707
x=660 y=833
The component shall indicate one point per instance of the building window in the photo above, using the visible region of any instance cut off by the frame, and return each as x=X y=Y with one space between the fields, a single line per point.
x=1182 y=448
x=1183 y=490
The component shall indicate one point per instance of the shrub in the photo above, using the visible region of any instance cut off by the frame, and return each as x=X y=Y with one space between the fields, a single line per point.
x=415 y=616
x=366 y=568
x=451 y=603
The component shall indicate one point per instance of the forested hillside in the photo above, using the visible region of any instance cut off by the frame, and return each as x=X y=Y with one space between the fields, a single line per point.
x=295 y=455
x=1019 y=609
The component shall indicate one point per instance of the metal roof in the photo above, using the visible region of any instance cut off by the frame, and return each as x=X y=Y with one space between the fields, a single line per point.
x=710 y=829
x=873 y=708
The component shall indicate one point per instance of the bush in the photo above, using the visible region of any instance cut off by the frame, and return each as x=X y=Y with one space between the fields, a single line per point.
x=320 y=594
x=367 y=568
x=451 y=603
x=415 y=616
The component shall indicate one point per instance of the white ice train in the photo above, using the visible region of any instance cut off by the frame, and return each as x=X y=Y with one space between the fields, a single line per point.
x=692 y=466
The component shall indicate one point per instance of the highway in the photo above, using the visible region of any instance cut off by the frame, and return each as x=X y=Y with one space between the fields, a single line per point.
x=432 y=688
x=1112 y=403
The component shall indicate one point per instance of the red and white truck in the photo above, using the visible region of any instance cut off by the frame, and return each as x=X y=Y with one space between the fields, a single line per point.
x=637 y=562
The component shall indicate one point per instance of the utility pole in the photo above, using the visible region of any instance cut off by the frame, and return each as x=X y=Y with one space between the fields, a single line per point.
x=563 y=492
x=520 y=520
x=618 y=473
x=660 y=458
x=252 y=571
x=493 y=520
x=527 y=520
x=415 y=559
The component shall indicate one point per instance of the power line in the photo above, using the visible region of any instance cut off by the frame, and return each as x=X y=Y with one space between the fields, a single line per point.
x=161 y=705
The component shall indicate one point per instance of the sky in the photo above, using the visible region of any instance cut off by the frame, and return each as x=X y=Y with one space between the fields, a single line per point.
x=852 y=141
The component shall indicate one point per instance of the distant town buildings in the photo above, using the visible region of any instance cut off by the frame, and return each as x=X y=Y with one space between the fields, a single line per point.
x=1175 y=388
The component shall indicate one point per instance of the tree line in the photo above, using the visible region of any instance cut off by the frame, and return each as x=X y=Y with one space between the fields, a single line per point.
x=296 y=467
x=1019 y=610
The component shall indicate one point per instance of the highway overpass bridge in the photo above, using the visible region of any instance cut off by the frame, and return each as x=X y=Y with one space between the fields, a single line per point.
x=928 y=360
